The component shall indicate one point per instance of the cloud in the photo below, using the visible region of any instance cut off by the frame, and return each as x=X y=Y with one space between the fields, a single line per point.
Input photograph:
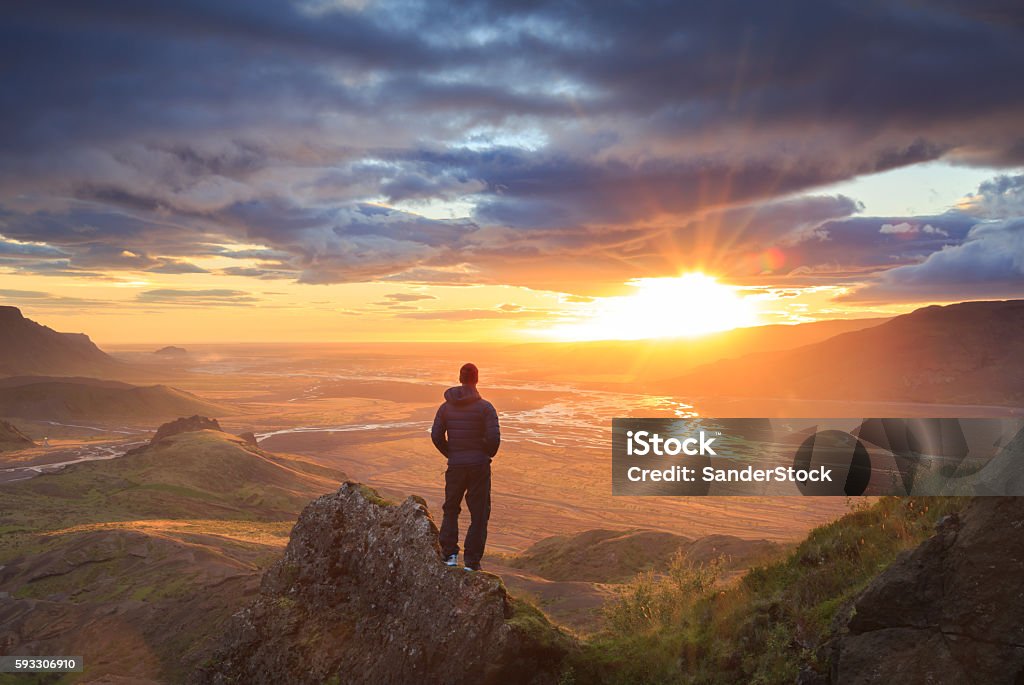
x=906 y=228
x=38 y=298
x=259 y=272
x=572 y=150
x=472 y=314
x=408 y=297
x=173 y=266
x=23 y=294
x=28 y=250
x=989 y=263
x=209 y=297
x=998 y=198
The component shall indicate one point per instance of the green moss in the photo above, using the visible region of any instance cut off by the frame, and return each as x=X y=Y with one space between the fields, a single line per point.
x=373 y=496
x=533 y=624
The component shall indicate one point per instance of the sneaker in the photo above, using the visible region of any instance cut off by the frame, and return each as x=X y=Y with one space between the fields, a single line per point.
x=452 y=560
x=472 y=567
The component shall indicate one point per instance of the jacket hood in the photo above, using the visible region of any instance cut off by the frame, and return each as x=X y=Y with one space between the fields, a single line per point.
x=461 y=394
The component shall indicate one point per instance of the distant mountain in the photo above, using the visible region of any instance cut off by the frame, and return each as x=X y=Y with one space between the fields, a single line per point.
x=56 y=399
x=968 y=353
x=28 y=348
x=172 y=351
x=646 y=361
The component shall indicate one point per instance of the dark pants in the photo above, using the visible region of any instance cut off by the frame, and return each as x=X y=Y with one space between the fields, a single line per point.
x=473 y=482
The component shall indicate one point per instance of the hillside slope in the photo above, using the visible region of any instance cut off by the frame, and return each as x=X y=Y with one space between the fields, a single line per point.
x=968 y=353
x=615 y=556
x=779 y=621
x=575 y=576
x=136 y=561
x=13 y=439
x=62 y=399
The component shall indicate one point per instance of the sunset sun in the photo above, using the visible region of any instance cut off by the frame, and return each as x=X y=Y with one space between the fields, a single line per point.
x=689 y=305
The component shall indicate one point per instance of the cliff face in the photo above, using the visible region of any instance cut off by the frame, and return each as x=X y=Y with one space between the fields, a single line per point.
x=29 y=348
x=362 y=596
x=950 y=611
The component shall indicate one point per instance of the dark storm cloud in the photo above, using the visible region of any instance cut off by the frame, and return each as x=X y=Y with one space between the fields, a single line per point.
x=139 y=135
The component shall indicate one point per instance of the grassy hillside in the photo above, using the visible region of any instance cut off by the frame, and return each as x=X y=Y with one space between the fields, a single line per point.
x=200 y=475
x=684 y=626
x=120 y=559
x=615 y=556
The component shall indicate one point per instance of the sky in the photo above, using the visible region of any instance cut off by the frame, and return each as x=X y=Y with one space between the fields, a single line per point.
x=321 y=170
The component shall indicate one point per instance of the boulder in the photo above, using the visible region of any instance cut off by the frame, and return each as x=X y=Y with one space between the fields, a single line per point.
x=362 y=595
x=950 y=611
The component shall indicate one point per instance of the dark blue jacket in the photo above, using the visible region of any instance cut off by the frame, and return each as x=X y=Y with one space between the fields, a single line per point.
x=466 y=427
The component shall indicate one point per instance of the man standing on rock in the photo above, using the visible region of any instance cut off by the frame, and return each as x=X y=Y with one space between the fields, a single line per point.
x=466 y=432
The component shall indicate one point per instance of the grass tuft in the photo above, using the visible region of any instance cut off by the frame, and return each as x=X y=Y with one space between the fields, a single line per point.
x=685 y=626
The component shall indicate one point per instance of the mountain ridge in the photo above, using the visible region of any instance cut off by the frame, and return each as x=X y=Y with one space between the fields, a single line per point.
x=966 y=353
x=28 y=348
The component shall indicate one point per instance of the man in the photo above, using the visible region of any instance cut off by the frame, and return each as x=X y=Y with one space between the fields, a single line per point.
x=466 y=432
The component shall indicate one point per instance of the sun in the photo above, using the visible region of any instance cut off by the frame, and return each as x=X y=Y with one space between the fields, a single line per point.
x=688 y=305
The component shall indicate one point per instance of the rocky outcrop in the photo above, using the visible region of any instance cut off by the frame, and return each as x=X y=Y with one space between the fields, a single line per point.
x=950 y=611
x=249 y=438
x=363 y=596
x=184 y=425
